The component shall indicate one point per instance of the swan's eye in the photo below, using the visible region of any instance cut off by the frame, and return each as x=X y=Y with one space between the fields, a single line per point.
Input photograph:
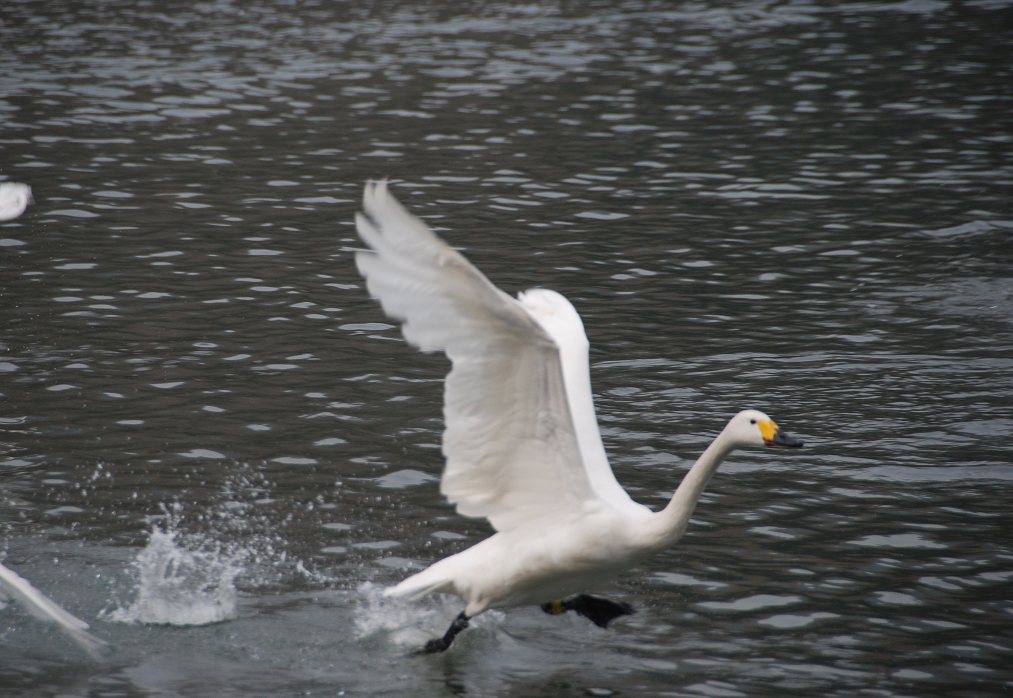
x=752 y=421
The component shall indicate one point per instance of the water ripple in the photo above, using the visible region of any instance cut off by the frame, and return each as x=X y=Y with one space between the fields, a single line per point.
x=797 y=207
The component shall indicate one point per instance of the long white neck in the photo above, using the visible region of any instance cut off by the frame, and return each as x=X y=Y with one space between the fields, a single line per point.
x=670 y=523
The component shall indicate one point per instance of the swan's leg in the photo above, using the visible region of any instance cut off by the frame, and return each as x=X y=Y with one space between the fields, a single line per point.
x=599 y=611
x=440 y=644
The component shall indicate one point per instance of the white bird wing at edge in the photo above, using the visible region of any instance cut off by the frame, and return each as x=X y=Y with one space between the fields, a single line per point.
x=42 y=607
x=512 y=455
x=14 y=199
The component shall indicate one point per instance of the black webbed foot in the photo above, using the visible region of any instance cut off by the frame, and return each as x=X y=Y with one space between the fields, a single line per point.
x=599 y=611
x=440 y=644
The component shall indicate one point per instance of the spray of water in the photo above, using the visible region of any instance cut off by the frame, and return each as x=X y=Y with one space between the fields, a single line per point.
x=188 y=572
x=407 y=623
x=180 y=586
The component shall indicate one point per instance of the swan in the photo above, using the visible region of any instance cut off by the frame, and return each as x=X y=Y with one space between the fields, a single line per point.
x=521 y=440
x=14 y=199
x=14 y=586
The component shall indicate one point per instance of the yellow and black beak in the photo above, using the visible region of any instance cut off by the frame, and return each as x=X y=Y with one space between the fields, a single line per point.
x=773 y=436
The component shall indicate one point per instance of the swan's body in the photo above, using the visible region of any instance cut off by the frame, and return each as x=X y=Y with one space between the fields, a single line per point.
x=14 y=199
x=14 y=586
x=521 y=441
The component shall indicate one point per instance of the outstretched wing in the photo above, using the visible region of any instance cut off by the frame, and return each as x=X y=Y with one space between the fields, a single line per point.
x=42 y=607
x=511 y=449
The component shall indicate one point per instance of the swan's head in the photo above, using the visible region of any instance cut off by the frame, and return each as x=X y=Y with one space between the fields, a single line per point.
x=754 y=428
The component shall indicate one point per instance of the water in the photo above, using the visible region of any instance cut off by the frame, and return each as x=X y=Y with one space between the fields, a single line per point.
x=217 y=450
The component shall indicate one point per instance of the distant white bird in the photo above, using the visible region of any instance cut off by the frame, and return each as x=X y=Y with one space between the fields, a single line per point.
x=521 y=443
x=14 y=586
x=14 y=199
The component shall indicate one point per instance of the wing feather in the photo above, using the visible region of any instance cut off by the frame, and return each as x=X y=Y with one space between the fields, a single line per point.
x=511 y=451
x=42 y=607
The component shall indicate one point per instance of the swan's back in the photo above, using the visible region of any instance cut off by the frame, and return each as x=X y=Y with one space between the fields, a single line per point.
x=558 y=318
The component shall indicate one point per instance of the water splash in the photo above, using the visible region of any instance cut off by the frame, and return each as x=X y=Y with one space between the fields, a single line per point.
x=188 y=572
x=178 y=584
x=377 y=615
x=410 y=623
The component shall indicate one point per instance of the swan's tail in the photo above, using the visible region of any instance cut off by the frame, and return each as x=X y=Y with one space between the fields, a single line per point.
x=425 y=582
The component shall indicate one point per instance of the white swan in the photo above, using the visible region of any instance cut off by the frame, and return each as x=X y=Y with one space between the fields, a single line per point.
x=521 y=443
x=14 y=586
x=14 y=199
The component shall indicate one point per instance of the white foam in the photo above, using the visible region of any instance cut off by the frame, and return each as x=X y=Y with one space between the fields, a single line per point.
x=180 y=585
x=187 y=574
x=410 y=623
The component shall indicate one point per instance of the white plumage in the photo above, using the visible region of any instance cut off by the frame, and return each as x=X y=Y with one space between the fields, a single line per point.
x=522 y=445
x=14 y=199
x=14 y=586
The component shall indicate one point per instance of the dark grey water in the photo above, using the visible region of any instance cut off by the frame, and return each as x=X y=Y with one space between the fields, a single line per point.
x=216 y=448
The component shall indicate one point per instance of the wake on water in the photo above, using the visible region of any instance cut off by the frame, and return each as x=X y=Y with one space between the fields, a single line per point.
x=188 y=572
x=189 y=579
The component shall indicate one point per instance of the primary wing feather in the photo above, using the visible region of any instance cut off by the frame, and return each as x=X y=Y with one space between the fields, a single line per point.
x=512 y=455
